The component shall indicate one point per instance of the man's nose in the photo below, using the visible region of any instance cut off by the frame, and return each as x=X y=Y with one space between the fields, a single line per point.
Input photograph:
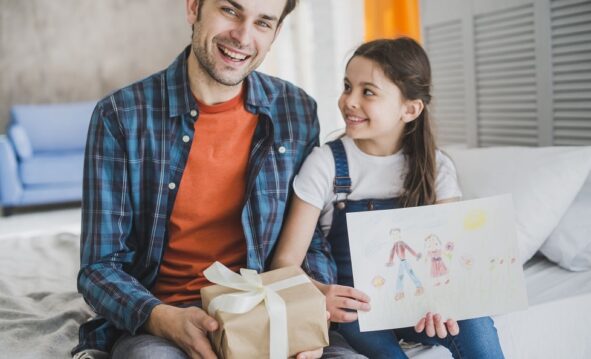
x=241 y=34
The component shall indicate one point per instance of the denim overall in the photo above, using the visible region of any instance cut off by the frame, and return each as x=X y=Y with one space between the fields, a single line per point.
x=477 y=338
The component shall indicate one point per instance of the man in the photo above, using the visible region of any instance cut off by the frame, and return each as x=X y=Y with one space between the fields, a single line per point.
x=189 y=166
x=399 y=248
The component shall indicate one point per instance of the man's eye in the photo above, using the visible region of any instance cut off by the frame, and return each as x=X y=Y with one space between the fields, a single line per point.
x=264 y=24
x=229 y=11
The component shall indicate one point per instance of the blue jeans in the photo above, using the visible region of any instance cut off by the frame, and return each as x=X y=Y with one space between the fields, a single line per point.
x=477 y=339
x=402 y=268
x=148 y=346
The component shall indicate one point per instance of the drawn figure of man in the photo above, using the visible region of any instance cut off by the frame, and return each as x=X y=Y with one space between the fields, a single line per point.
x=399 y=249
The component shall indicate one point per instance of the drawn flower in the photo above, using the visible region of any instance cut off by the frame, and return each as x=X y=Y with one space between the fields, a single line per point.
x=449 y=246
x=467 y=262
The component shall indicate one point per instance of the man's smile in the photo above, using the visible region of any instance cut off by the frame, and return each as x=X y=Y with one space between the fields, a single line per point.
x=232 y=55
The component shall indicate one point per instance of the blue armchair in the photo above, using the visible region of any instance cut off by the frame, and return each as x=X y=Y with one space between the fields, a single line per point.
x=42 y=154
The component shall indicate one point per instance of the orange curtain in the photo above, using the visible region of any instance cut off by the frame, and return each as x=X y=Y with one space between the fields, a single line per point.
x=391 y=18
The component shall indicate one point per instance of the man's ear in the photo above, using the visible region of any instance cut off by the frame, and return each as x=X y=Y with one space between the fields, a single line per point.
x=191 y=7
x=412 y=110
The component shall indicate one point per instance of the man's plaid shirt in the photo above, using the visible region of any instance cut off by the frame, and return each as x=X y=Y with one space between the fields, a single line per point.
x=135 y=156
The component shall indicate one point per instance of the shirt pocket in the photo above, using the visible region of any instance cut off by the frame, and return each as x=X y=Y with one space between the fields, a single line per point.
x=279 y=168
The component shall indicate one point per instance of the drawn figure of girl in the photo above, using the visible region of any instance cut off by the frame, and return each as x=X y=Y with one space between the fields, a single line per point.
x=434 y=251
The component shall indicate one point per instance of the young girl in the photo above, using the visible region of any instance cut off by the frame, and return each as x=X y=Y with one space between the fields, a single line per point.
x=387 y=159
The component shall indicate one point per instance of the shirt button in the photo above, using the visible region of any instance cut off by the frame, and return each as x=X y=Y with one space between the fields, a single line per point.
x=193 y=113
x=172 y=185
x=281 y=150
x=186 y=138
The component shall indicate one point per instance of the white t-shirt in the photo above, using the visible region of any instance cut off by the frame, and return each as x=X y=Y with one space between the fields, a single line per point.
x=377 y=177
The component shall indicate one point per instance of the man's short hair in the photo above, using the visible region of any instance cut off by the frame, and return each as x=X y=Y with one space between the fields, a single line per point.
x=289 y=6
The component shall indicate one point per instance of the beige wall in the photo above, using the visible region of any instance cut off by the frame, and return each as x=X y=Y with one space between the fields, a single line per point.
x=54 y=51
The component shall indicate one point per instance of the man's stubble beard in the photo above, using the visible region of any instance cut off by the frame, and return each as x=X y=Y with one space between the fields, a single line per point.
x=208 y=64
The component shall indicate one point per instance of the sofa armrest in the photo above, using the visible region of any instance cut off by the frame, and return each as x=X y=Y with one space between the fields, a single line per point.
x=10 y=185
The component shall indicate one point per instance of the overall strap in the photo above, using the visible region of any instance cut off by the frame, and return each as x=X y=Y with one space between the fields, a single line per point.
x=342 y=181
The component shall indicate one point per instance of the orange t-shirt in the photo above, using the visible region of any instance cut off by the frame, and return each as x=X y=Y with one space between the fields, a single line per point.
x=205 y=224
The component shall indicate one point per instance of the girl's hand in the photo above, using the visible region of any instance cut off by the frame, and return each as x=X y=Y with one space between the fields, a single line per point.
x=340 y=298
x=433 y=324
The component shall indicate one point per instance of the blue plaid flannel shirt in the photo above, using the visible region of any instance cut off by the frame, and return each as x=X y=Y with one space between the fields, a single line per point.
x=135 y=153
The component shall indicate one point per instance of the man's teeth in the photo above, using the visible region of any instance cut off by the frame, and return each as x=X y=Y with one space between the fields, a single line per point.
x=233 y=55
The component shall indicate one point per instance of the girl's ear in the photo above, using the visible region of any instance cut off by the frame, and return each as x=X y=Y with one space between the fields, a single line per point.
x=412 y=110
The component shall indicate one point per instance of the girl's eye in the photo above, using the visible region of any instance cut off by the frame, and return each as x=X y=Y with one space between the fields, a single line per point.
x=367 y=92
x=346 y=87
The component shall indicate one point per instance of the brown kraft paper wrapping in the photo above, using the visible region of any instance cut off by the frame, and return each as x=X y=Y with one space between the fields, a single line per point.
x=247 y=335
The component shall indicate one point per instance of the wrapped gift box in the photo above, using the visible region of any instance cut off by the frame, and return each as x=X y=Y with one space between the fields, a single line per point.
x=247 y=335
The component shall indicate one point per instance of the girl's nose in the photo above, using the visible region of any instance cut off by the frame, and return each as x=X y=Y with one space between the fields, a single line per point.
x=351 y=102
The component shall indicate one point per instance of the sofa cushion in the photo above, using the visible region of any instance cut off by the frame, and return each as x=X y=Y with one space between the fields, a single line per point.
x=20 y=141
x=54 y=168
x=51 y=194
x=58 y=127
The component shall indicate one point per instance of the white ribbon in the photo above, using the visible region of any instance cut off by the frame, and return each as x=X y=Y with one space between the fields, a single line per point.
x=252 y=293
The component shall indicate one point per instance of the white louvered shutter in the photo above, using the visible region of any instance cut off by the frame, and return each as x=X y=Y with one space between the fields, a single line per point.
x=506 y=77
x=571 y=71
x=443 y=43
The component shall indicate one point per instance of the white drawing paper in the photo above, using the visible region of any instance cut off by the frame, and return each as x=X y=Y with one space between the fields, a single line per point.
x=457 y=259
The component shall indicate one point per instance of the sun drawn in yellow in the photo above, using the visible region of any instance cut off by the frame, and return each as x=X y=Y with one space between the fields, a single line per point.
x=475 y=219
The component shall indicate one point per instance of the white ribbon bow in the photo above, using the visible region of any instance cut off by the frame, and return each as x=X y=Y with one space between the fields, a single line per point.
x=254 y=292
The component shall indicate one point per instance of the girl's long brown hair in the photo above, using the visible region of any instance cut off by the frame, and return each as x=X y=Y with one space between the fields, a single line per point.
x=406 y=64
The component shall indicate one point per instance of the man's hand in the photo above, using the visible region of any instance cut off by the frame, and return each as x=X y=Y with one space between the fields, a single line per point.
x=186 y=327
x=433 y=324
x=340 y=298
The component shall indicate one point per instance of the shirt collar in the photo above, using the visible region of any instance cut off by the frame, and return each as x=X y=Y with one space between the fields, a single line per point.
x=258 y=97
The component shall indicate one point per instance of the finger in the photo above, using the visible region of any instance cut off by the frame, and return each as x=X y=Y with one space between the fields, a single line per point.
x=452 y=327
x=202 y=320
x=313 y=354
x=355 y=294
x=342 y=316
x=439 y=326
x=349 y=303
x=420 y=326
x=202 y=347
x=197 y=344
x=429 y=328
